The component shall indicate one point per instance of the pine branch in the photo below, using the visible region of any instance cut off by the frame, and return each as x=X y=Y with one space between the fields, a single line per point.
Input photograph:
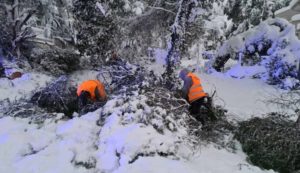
x=29 y=15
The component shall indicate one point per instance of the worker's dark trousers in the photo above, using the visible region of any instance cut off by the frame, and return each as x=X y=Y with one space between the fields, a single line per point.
x=195 y=109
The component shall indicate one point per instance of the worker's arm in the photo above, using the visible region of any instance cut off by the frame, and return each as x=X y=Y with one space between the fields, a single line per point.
x=186 y=86
x=98 y=96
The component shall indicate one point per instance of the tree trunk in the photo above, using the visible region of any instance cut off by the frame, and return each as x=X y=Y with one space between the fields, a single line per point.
x=220 y=62
x=298 y=68
x=18 y=51
x=297 y=124
x=14 y=14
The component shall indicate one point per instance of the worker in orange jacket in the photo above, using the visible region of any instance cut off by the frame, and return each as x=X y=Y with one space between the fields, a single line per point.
x=91 y=90
x=193 y=91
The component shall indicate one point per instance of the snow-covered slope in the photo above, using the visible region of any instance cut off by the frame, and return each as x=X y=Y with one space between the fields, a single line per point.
x=120 y=144
x=52 y=147
x=72 y=146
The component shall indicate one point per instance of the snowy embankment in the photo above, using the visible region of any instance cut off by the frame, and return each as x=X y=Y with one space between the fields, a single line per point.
x=121 y=142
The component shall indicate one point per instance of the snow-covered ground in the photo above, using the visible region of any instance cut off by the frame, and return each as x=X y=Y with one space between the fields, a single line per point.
x=64 y=147
x=244 y=98
x=22 y=87
x=84 y=144
x=209 y=160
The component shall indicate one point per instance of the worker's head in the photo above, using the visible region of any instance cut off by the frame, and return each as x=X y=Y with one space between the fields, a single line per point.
x=83 y=98
x=183 y=73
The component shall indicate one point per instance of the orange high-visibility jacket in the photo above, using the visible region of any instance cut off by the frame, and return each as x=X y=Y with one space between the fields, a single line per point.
x=91 y=86
x=196 y=91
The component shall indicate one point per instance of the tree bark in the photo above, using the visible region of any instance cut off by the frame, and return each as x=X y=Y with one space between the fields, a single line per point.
x=220 y=62
x=298 y=74
x=297 y=124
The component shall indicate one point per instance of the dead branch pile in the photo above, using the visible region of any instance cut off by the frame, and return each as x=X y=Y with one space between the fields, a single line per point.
x=59 y=96
x=271 y=143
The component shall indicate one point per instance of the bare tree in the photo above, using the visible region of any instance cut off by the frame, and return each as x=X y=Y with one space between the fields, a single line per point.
x=289 y=100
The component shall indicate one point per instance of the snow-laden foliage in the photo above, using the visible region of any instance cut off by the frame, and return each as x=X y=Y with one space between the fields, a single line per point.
x=248 y=13
x=221 y=19
x=180 y=39
x=24 y=110
x=272 y=45
x=14 y=33
x=54 y=61
x=121 y=77
x=96 y=33
x=271 y=143
x=162 y=132
x=216 y=24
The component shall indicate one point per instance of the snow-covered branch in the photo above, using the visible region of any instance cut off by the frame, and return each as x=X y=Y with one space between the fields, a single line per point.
x=28 y=16
x=101 y=8
x=163 y=9
x=16 y=18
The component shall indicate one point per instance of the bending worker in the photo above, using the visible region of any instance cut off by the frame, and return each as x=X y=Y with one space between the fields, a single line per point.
x=91 y=90
x=193 y=91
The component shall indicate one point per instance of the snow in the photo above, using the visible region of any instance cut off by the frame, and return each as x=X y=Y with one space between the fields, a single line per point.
x=54 y=147
x=126 y=6
x=238 y=71
x=123 y=138
x=291 y=5
x=244 y=98
x=278 y=38
x=18 y=88
x=138 y=8
x=298 y=27
x=221 y=24
x=65 y=145
x=101 y=8
x=209 y=160
x=59 y=145
x=296 y=17
x=79 y=76
x=264 y=31
x=159 y=56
